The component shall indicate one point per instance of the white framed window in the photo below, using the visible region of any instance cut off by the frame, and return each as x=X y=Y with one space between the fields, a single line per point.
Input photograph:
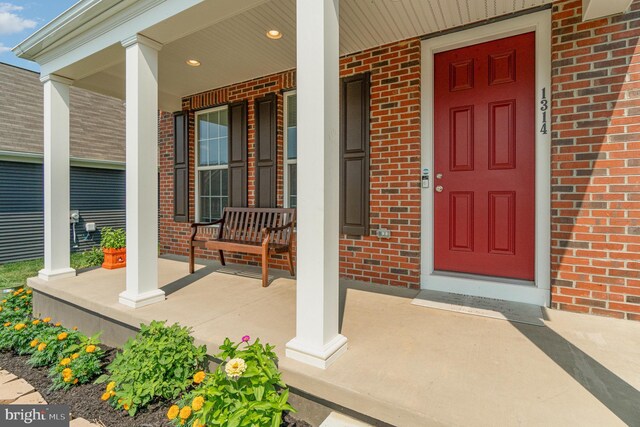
x=290 y=150
x=212 y=170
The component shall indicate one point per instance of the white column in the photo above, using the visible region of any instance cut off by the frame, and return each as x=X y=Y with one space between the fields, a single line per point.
x=56 y=179
x=142 y=172
x=317 y=340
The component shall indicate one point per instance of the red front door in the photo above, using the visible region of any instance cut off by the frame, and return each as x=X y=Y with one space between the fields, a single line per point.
x=484 y=132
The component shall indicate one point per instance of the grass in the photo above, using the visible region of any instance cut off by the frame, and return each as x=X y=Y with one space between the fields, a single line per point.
x=16 y=273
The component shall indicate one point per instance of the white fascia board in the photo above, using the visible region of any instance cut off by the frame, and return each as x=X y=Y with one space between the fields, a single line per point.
x=594 y=9
x=67 y=21
x=84 y=37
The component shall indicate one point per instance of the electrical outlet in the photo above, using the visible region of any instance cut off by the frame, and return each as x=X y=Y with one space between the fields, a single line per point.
x=383 y=233
x=90 y=227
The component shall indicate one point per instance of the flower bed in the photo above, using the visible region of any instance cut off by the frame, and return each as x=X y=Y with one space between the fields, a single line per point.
x=159 y=378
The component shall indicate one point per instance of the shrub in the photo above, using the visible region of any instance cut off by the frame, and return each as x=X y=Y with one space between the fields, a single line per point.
x=16 y=305
x=245 y=390
x=19 y=335
x=54 y=343
x=81 y=364
x=113 y=238
x=158 y=363
x=91 y=258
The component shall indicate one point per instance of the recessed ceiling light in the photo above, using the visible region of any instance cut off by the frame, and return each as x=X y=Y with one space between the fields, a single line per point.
x=193 y=62
x=274 y=34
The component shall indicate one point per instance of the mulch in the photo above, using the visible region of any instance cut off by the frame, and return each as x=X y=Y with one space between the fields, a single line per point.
x=84 y=400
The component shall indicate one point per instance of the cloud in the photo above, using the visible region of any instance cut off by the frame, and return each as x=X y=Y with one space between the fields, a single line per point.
x=4 y=49
x=10 y=22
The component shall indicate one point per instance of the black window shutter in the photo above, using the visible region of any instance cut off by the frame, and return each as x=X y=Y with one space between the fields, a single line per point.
x=238 y=167
x=266 y=110
x=354 y=155
x=181 y=167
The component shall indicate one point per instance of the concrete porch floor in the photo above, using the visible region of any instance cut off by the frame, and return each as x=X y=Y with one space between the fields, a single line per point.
x=406 y=365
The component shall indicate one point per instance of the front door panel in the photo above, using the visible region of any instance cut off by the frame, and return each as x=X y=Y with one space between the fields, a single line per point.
x=484 y=158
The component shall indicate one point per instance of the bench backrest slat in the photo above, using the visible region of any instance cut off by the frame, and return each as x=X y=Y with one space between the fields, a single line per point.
x=246 y=224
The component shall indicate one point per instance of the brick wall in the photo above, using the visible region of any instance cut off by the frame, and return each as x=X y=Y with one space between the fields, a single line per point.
x=596 y=162
x=395 y=164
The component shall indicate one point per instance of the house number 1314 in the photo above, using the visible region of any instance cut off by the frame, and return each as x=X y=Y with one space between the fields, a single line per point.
x=544 y=106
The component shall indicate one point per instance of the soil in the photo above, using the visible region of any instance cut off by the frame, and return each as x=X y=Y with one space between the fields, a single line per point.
x=84 y=400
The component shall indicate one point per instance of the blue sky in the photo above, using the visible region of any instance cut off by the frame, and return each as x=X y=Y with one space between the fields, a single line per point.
x=19 y=19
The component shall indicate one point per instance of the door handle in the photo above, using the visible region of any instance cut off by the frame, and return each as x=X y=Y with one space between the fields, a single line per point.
x=439 y=188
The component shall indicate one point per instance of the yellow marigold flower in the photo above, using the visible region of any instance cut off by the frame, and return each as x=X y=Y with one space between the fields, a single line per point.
x=0 y=308
x=19 y=326
x=185 y=412
x=172 y=413
x=62 y=335
x=35 y=322
x=23 y=297
x=58 y=324
x=197 y=403
x=197 y=423
x=119 y=401
x=74 y=356
x=75 y=381
x=42 y=346
x=67 y=372
x=235 y=367
x=29 y=292
x=90 y=348
x=105 y=396
x=47 y=319
x=199 y=377
x=34 y=343
x=67 y=379
x=112 y=393
x=75 y=328
x=4 y=300
x=126 y=406
x=7 y=324
x=111 y=385
x=65 y=361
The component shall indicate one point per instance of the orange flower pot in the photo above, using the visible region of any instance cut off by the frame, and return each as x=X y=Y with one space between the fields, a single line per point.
x=114 y=258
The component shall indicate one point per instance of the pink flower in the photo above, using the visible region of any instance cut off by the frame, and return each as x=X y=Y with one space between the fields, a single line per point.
x=246 y=338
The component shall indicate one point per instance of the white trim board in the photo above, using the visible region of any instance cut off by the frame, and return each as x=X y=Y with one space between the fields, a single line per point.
x=538 y=293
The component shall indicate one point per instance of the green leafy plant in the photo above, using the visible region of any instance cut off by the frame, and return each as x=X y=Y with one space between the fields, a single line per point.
x=53 y=344
x=19 y=335
x=83 y=363
x=16 y=305
x=91 y=258
x=158 y=363
x=113 y=238
x=245 y=390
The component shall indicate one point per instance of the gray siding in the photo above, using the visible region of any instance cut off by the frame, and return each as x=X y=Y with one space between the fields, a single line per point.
x=99 y=195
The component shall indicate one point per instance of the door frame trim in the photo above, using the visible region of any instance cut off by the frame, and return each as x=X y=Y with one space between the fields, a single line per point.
x=540 y=292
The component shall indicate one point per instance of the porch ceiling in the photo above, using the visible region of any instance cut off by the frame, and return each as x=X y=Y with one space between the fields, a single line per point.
x=235 y=49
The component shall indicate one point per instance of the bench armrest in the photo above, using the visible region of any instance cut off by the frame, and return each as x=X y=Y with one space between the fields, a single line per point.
x=195 y=226
x=282 y=227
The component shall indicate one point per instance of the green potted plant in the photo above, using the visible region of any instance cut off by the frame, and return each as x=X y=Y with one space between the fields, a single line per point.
x=113 y=244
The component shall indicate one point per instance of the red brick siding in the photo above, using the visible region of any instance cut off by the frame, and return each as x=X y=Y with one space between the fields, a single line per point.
x=596 y=162
x=395 y=164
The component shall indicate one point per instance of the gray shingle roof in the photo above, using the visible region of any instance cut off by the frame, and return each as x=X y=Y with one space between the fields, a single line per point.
x=97 y=121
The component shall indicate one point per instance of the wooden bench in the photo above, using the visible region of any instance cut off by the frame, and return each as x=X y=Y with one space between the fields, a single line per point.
x=261 y=231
